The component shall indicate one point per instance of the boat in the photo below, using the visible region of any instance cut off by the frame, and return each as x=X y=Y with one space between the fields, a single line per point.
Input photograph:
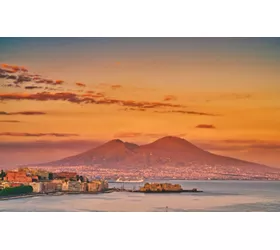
x=130 y=180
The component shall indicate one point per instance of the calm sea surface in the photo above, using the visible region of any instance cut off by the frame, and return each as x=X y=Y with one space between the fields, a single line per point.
x=232 y=196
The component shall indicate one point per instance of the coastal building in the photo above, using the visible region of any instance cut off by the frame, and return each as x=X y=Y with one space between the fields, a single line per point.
x=19 y=176
x=58 y=184
x=93 y=186
x=4 y=184
x=84 y=187
x=49 y=187
x=38 y=187
x=97 y=186
x=43 y=175
x=65 y=175
x=64 y=186
x=74 y=186
x=160 y=187
x=35 y=178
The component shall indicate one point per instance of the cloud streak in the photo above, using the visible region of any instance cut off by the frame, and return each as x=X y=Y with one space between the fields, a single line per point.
x=33 y=87
x=36 y=134
x=9 y=121
x=188 y=112
x=207 y=126
x=239 y=145
x=23 y=113
x=139 y=134
x=83 y=99
x=80 y=84
x=169 y=98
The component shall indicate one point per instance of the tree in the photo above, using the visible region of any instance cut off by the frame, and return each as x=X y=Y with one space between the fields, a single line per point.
x=81 y=178
x=16 y=190
x=50 y=176
x=2 y=174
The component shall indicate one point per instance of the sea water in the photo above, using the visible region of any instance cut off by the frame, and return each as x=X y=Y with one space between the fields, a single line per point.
x=221 y=196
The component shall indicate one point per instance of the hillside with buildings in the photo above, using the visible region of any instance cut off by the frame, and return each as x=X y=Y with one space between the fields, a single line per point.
x=45 y=182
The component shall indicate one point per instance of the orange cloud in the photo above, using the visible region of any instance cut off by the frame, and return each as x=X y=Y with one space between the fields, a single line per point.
x=58 y=81
x=170 y=98
x=14 y=68
x=9 y=71
x=80 y=84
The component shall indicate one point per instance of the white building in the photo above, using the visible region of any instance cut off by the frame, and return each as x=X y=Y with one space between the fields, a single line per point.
x=37 y=187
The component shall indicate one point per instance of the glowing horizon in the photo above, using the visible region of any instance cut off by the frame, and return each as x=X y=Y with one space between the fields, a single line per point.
x=220 y=93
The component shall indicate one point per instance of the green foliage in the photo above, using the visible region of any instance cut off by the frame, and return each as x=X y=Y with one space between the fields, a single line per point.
x=16 y=190
x=50 y=176
x=2 y=174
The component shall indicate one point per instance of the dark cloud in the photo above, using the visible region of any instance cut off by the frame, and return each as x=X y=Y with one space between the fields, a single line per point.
x=23 y=113
x=11 y=77
x=33 y=87
x=10 y=85
x=188 y=112
x=22 y=79
x=80 y=84
x=208 y=126
x=133 y=109
x=20 y=75
x=36 y=134
x=170 y=98
x=86 y=99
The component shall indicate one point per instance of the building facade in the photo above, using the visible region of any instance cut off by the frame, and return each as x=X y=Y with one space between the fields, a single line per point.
x=38 y=187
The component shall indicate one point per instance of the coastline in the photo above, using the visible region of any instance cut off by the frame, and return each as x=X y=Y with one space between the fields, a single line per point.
x=77 y=193
x=47 y=194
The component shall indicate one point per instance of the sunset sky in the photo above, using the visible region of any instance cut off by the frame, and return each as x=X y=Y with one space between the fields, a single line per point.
x=221 y=94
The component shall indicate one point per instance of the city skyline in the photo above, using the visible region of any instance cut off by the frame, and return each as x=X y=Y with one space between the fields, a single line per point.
x=219 y=93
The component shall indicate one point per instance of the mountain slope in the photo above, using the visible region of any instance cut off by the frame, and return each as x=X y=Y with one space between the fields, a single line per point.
x=167 y=151
x=110 y=153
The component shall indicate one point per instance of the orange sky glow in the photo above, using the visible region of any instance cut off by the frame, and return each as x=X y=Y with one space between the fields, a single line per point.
x=220 y=94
